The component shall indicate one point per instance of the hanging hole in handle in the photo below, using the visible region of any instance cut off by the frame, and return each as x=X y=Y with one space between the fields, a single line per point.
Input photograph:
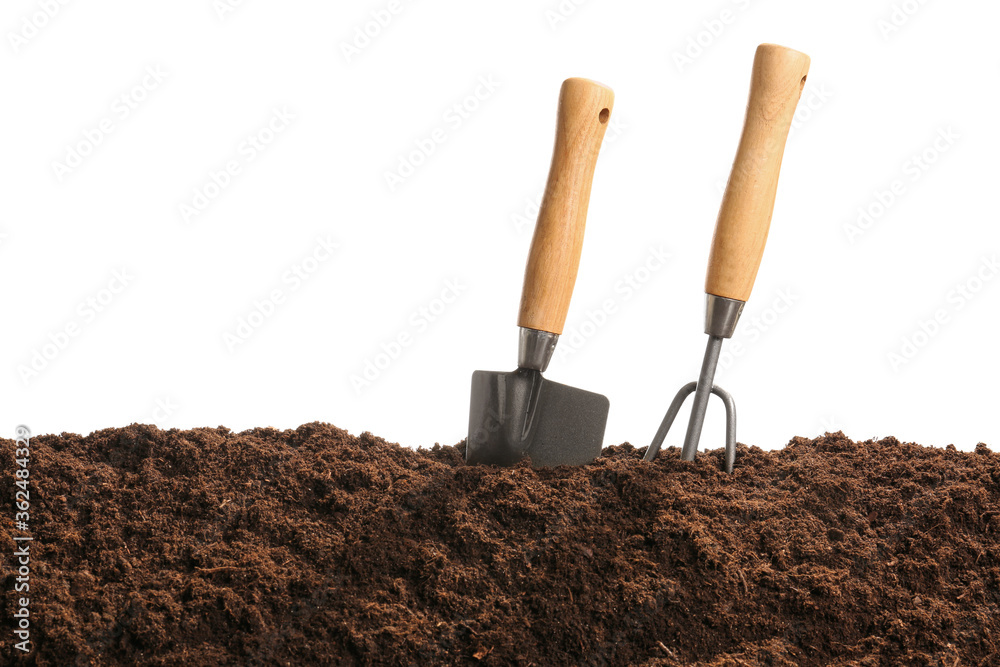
x=802 y=83
x=605 y=114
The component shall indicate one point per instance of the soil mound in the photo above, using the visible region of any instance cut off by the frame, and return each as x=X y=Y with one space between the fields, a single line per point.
x=314 y=547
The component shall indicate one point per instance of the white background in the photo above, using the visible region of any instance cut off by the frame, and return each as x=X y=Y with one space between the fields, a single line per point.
x=884 y=82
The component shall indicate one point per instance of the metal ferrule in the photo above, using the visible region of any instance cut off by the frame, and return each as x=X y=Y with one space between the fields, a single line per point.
x=722 y=315
x=535 y=348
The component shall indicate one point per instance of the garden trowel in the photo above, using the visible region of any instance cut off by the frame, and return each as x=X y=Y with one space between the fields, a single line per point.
x=520 y=413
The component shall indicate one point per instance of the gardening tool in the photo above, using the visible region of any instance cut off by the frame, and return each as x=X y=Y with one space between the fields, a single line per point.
x=741 y=232
x=520 y=413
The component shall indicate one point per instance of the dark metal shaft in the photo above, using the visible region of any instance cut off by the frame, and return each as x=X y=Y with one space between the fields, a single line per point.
x=701 y=394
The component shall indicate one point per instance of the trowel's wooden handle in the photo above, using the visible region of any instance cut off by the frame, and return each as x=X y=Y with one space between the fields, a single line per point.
x=584 y=110
x=741 y=231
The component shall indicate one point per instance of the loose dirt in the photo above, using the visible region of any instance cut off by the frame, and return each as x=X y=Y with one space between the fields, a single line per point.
x=314 y=547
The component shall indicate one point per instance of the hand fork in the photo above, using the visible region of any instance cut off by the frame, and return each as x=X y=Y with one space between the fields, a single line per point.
x=779 y=75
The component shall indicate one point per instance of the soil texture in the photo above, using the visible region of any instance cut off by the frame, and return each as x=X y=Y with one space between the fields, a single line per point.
x=315 y=547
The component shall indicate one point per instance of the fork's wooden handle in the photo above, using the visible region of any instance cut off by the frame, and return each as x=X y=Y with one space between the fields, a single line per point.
x=584 y=110
x=745 y=216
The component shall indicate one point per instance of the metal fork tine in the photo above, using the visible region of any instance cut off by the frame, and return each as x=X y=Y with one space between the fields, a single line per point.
x=668 y=420
x=675 y=408
x=706 y=381
x=730 y=404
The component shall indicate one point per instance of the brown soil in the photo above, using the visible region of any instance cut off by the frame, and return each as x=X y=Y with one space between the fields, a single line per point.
x=313 y=547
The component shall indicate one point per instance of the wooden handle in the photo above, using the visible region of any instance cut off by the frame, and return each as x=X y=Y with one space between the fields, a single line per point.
x=745 y=216
x=584 y=110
